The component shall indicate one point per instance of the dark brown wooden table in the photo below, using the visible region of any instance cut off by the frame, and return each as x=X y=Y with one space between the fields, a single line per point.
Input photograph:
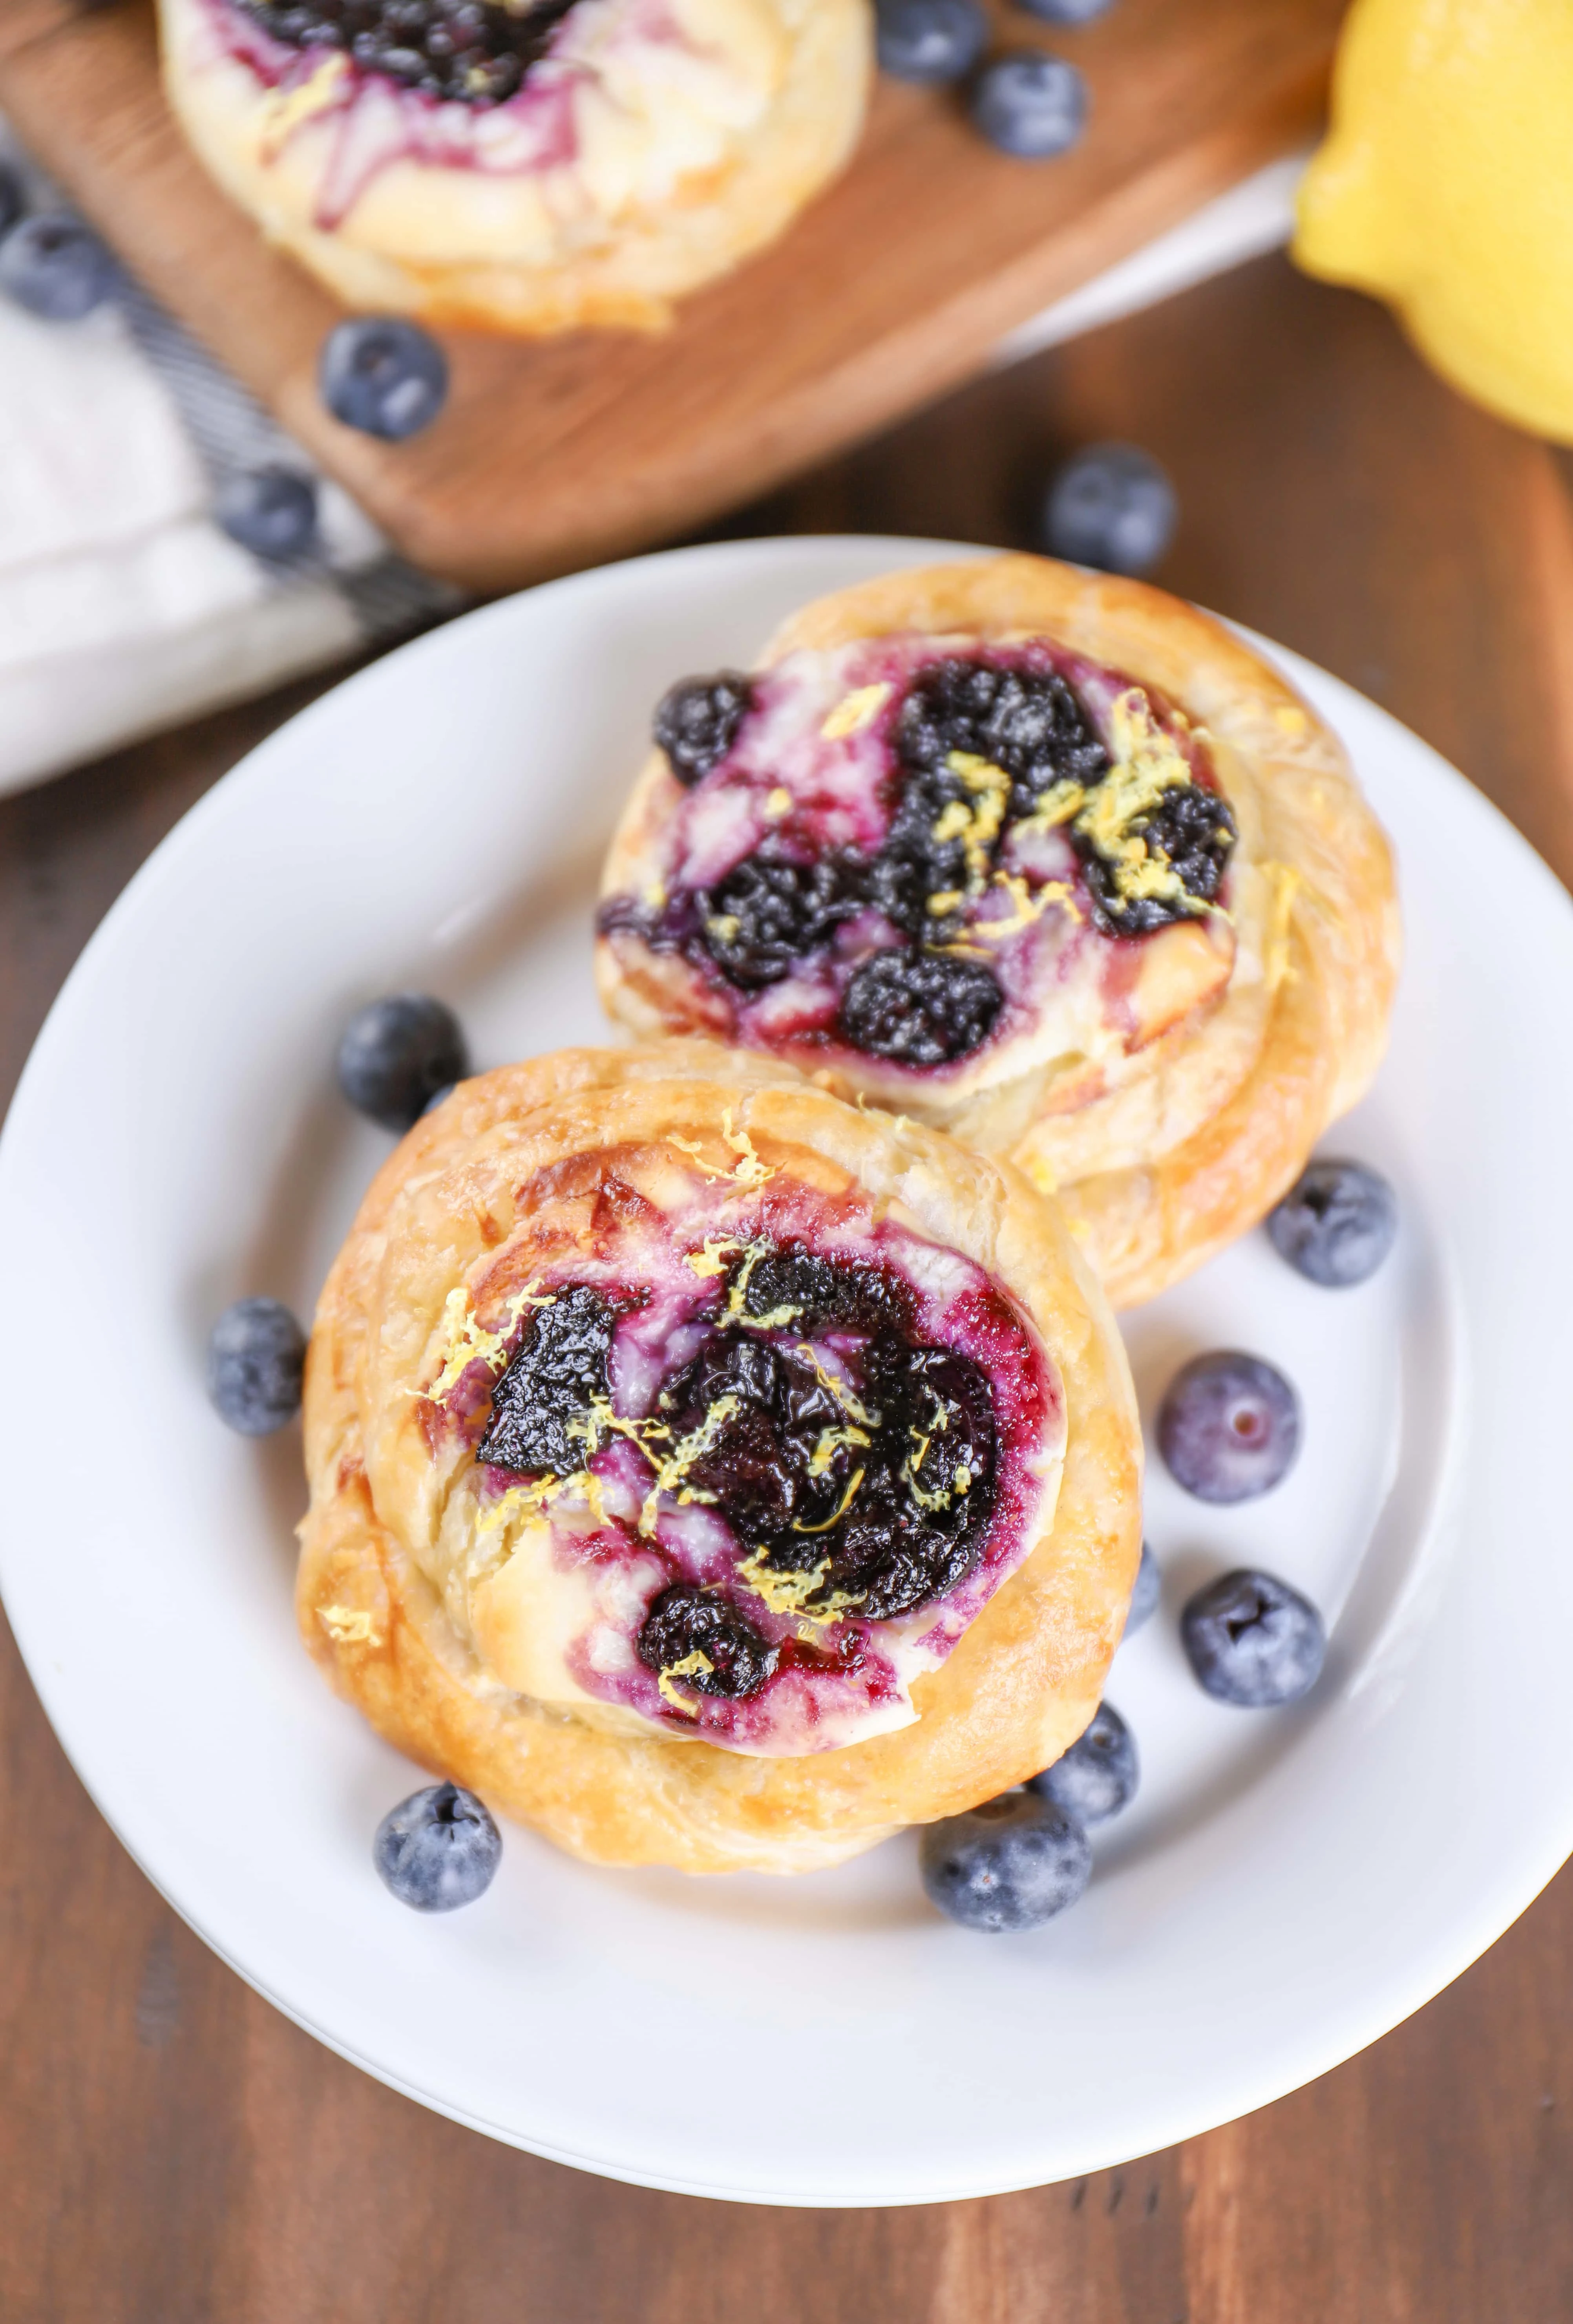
x=171 y=2152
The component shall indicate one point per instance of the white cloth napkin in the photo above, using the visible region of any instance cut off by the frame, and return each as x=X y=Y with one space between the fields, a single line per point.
x=125 y=610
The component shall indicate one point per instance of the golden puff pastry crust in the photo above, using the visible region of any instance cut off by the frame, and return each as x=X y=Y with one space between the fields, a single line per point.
x=435 y=1598
x=1168 y=1081
x=648 y=151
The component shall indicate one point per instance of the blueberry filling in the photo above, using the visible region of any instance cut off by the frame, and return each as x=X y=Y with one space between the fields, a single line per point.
x=551 y=1379
x=920 y=1008
x=697 y=720
x=696 y=1635
x=979 y=748
x=857 y=1477
x=475 y=50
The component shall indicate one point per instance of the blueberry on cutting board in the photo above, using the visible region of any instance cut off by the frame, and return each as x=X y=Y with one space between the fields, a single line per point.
x=384 y=376
x=1030 y=105
x=929 y=41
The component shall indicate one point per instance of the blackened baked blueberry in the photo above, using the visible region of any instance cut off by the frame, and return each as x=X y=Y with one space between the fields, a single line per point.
x=768 y=914
x=1030 y=722
x=476 y=52
x=382 y=374
x=1099 y=1775
x=550 y=1379
x=1144 y=1594
x=1011 y=1863
x=697 y=720
x=820 y=1295
x=1254 y=1641
x=1029 y=104
x=437 y=1850
x=1229 y=1426
x=919 y=1007
x=255 y=1356
x=56 y=267
x=397 y=1053
x=1337 y=1225
x=1112 y=507
x=1192 y=829
x=929 y=41
x=272 y=512
x=725 y=1655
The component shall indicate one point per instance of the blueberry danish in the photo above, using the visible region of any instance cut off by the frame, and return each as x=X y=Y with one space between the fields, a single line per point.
x=710 y=1473
x=1044 y=858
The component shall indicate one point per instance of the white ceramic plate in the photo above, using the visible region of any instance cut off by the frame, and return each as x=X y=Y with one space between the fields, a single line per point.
x=1287 y=1886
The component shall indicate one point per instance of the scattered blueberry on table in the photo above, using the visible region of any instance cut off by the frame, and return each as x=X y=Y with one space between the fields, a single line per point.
x=1254 y=1641
x=1337 y=1225
x=437 y=1850
x=1111 y=506
x=1145 y=1591
x=1012 y=1863
x=1030 y=104
x=929 y=41
x=272 y=512
x=256 y=1352
x=397 y=1054
x=1065 y=11
x=1099 y=1775
x=12 y=198
x=1229 y=1426
x=56 y=267
x=384 y=376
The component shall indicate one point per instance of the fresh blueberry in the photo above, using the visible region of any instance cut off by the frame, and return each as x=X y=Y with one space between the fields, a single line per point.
x=1229 y=1427
x=1252 y=1640
x=437 y=1850
x=1065 y=11
x=1099 y=1775
x=384 y=376
x=1145 y=1593
x=272 y=512
x=1012 y=1863
x=1337 y=1226
x=12 y=198
x=255 y=1355
x=56 y=267
x=438 y=1097
x=1030 y=104
x=397 y=1054
x=1111 y=506
x=929 y=39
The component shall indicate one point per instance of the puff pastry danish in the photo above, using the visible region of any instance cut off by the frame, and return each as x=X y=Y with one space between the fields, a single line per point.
x=529 y=165
x=709 y=1472
x=1045 y=858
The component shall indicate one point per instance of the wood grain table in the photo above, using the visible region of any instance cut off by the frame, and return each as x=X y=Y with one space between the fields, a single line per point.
x=173 y=2151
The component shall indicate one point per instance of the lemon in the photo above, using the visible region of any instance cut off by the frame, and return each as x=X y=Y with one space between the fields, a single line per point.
x=1445 y=187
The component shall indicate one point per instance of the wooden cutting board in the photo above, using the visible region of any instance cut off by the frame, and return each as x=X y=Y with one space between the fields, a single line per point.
x=897 y=285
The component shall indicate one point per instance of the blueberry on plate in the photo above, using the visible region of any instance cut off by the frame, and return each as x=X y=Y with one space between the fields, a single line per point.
x=1099 y=1775
x=272 y=512
x=383 y=375
x=1030 y=104
x=1111 y=506
x=437 y=1850
x=1337 y=1225
x=1229 y=1427
x=1252 y=1641
x=56 y=267
x=397 y=1054
x=929 y=41
x=1065 y=11
x=12 y=198
x=256 y=1352
x=1012 y=1863
x=1145 y=1591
